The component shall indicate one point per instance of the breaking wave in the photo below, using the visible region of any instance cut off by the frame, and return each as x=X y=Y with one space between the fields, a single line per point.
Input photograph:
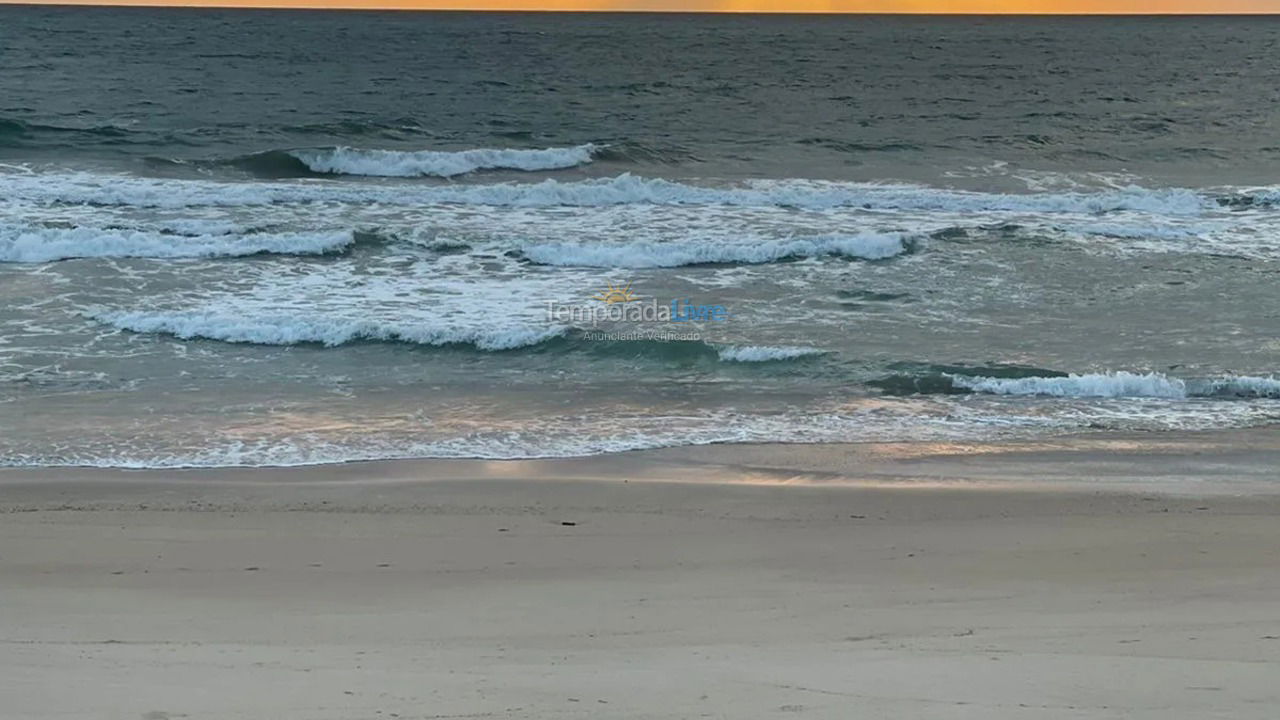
x=870 y=246
x=928 y=379
x=626 y=189
x=297 y=328
x=1124 y=384
x=287 y=327
x=766 y=353
x=1119 y=384
x=1016 y=380
x=35 y=244
x=432 y=163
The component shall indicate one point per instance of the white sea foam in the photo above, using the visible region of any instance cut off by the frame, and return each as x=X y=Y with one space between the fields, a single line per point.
x=549 y=436
x=397 y=163
x=36 y=244
x=289 y=328
x=869 y=246
x=341 y=302
x=1124 y=384
x=766 y=353
x=1117 y=384
x=552 y=435
x=89 y=188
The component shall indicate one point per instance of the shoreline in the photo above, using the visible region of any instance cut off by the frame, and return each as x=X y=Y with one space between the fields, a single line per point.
x=1209 y=462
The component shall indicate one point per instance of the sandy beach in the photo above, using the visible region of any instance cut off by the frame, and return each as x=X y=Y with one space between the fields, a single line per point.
x=734 y=582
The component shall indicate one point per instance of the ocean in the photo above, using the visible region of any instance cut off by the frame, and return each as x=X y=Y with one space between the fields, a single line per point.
x=240 y=238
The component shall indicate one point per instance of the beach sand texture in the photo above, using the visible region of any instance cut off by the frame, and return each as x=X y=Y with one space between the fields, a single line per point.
x=390 y=590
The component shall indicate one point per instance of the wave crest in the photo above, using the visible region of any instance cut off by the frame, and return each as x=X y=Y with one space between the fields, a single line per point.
x=34 y=244
x=867 y=246
x=433 y=163
x=293 y=329
x=1124 y=384
x=1118 y=384
x=766 y=353
x=626 y=189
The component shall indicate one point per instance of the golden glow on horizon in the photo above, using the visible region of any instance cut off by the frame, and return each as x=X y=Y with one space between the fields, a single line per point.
x=1030 y=7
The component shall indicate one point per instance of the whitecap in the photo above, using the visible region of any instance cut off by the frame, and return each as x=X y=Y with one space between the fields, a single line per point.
x=869 y=246
x=38 y=244
x=766 y=353
x=1107 y=385
x=290 y=328
x=626 y=189
x=399 y=163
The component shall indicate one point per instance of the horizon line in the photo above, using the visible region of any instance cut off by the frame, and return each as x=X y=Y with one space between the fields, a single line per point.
x=409 y=7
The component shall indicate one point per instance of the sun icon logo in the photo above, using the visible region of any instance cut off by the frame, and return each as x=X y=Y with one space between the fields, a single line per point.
x=620 y=294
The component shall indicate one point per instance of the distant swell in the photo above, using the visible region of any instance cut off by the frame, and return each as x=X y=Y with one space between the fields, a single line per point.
x=432 y=163
x=395 y=129
x=871 y=246
x=13 y=132
x=34 y=244
x=294 y=328
x=636 y=152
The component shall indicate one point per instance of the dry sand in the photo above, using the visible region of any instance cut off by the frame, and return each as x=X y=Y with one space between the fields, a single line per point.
x=845 y=582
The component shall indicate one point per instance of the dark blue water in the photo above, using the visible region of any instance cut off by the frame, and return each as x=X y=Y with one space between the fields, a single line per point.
x=1190 y=99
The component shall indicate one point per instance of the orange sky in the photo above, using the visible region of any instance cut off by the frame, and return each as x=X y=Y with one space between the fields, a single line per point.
x=851 y=6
